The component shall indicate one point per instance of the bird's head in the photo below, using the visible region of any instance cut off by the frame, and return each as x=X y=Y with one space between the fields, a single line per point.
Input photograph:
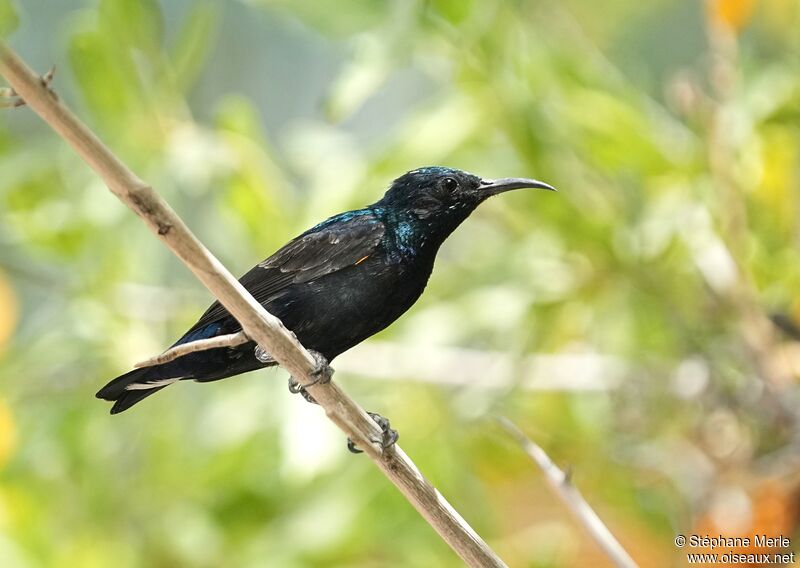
x=446 y=194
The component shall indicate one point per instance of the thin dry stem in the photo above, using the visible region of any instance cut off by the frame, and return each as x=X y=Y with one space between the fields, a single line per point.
x=561 y=484
x=230 y=340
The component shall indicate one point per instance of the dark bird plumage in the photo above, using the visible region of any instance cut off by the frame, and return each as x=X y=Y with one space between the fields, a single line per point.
x=338 y=283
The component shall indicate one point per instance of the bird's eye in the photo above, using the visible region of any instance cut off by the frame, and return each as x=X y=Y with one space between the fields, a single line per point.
x=450 y=185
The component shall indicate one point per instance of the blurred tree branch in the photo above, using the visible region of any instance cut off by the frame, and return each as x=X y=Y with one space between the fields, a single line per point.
x=561 y=484
x=256 y=322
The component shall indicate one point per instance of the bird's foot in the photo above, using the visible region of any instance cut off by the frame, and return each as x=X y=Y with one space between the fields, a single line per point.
x=390 y=436
x=295 y=388
x=10 y=99
x=321 y=374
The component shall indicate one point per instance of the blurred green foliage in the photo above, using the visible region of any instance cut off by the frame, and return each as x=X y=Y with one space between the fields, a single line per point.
x=8 y=17
x=672 y=130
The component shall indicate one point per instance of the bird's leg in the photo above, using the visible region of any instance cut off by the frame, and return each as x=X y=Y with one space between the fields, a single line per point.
x=321 y=374
x=13 y=100
x=390 y=436
x=295 y=387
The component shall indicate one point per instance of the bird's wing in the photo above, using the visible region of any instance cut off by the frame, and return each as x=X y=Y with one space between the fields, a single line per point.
x=339 y=242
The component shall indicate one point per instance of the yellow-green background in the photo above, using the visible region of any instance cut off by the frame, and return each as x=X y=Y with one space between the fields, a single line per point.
x=672 y=129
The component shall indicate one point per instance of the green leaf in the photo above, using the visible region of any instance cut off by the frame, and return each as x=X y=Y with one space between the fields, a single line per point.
x=107 y=77
x=137 y=23
x=9 y=20
x=194 y=43
x=455 y=11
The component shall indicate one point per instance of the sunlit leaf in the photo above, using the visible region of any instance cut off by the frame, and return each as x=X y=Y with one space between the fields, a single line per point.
x=195 y=41
x=8 y=433
x=137 y=23
x=780 y=178
x=106 y=74
x=9 y=20
x=454 y=10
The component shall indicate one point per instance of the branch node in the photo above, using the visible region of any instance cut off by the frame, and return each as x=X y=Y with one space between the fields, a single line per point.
x=16 y=101
x=568 y=471
x=142 y=205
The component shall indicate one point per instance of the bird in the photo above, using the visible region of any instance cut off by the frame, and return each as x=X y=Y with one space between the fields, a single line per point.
x=336 y=284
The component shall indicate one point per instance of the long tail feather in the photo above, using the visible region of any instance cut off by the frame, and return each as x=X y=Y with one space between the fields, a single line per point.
x=128 y=389
x=131 y=397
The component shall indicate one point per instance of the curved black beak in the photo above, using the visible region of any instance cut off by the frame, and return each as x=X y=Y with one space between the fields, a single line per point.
x=495 y=186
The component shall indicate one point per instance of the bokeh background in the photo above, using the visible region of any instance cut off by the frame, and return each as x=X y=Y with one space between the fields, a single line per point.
x=641 y=325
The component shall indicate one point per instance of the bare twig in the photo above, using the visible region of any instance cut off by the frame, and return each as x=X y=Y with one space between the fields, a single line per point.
x=265 y=329
x=561 y=484
x=230 y=340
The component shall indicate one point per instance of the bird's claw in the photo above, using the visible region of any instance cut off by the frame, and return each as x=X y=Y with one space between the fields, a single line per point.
x=389 y=438
x=295 y=388
x=321 y=374
x=13 y=100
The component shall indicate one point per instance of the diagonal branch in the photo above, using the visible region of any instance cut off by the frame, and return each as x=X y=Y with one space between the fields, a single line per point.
x=265 y=329
x=561 y=484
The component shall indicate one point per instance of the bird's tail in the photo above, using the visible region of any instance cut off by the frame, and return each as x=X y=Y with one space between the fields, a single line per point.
x=128 y=389
x=203 y=366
